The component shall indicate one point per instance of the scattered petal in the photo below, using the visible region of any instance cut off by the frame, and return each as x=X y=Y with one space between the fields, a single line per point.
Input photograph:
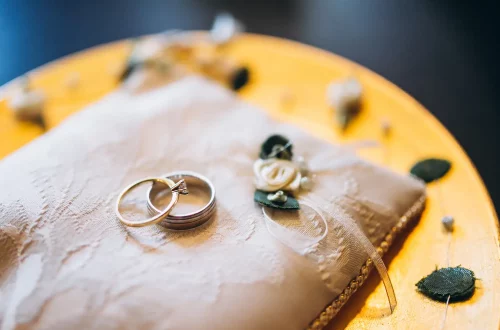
x=448 y=222
x=386 y=127
x=343 y=93
x=458 y=283
x=345 y=96
x=290 y=204
x=143 y=50
x=146 y=48
x=28 y=104
x=225 y=28
x=430 y=169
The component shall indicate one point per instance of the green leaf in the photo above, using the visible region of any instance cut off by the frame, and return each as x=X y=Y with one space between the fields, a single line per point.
x=273 y=142
x=40 y=121
x=345 y=116
x=458 y=283
x=261 y=198
x=431 y=169
x=130 y=67
x=240 y=78
x=343 y=119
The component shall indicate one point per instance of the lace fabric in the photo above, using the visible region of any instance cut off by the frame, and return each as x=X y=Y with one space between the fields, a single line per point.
x=67 y=262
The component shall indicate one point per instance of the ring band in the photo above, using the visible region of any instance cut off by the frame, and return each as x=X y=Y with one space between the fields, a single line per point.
x=188 y=220
x=176 y=188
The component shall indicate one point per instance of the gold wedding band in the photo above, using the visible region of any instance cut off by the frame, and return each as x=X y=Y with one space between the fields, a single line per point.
x=176 y=188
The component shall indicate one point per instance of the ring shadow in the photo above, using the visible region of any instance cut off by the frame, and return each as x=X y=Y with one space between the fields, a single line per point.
x=164 y=235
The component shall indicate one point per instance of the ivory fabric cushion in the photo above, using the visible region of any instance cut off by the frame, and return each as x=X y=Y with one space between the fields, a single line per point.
x=66 y=262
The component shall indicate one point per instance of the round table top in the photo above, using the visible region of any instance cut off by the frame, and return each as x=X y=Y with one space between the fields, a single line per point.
x=289 y=80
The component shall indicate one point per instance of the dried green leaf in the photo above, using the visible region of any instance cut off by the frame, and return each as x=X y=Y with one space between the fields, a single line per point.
x=261 y=198
x=130 y=67
x=347 y=114
x=273 y=143
x=431 y=169
x=240 y=78
x=458 y=283
x=343 y=119
x=40 y=121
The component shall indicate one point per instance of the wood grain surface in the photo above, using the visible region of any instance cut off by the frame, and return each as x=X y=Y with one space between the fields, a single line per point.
x=289 y=81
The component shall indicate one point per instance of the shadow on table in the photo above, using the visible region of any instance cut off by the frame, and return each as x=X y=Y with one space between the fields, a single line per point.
x=354 y=305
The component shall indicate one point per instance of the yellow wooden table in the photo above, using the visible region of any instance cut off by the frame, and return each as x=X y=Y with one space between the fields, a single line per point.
x=289 y=80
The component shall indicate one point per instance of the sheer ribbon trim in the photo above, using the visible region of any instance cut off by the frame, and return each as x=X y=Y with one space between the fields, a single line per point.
x=302 y=244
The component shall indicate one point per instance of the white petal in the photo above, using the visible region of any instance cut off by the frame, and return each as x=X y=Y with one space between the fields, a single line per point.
x=341 y=93
x=225 y=28
x=294 y=186
x=28 y=104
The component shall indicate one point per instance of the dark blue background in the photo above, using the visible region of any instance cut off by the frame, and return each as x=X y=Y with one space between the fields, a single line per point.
x=441 y=52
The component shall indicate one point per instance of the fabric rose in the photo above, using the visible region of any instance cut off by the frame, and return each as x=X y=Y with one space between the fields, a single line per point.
x=276 y=174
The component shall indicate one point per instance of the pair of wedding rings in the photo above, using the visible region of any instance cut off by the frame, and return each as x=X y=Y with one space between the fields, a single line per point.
x=178 y=183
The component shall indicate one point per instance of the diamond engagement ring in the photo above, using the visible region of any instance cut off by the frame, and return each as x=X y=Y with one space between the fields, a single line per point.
x=186 y=220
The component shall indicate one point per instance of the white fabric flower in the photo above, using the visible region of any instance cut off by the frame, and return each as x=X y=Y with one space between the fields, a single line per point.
x=343 y=93
x=28 y=104
x=225 y=28
x=276 y=174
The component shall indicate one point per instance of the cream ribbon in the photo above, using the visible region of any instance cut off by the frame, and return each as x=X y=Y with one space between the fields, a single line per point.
x=302 y=244
x=299 y=243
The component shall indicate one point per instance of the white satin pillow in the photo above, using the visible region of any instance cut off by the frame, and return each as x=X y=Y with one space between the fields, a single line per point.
x=66 y=262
